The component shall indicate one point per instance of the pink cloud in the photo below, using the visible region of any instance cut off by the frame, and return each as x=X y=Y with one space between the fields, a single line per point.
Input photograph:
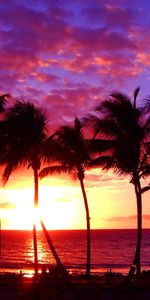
x=144 y=59
x=46 y=78
x=67 y=56
x=63 y=105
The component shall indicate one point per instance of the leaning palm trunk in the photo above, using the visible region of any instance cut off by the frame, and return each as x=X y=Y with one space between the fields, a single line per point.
x=137 y=259
x=88 y=263
x=52 y=248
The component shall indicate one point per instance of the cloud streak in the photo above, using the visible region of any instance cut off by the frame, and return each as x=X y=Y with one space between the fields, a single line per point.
x=128 y=218
x=8 y=205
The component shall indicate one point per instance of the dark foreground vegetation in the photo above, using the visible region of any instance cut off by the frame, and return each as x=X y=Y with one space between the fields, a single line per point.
x=45 y=287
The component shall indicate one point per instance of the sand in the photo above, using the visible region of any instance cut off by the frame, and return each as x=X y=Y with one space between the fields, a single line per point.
x=19 y=287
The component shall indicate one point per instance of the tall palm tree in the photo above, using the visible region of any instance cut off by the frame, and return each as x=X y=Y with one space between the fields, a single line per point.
x=69 y=151
x=26 y=132
x=73 y=155
x=121 y=120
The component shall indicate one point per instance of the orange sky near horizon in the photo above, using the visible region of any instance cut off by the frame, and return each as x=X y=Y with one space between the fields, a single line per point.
x=106 y=49
x=111 y=201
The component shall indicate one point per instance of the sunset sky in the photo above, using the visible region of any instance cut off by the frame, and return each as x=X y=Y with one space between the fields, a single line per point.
x=67 y=55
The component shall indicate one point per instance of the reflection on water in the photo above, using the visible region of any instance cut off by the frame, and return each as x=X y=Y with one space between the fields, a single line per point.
x=29 y=250
x=44 y=253
x=109 y=249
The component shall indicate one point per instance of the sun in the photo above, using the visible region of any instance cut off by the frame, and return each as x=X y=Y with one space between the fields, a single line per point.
x=54 y=209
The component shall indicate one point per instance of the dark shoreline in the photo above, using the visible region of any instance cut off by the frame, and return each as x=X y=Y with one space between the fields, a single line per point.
x=44 y=287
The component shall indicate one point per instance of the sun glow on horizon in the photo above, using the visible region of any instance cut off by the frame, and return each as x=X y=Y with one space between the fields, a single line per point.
x=111 y=202
x=18 y=212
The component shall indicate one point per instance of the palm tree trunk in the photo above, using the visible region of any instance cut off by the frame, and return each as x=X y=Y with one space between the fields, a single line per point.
x=34 y=225
x=88 y=263
x=137 y=257
x=137 y=260
x=35 y=250
x=52 y=248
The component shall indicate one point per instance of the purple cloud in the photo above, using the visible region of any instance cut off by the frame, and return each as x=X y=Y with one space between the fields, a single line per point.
x=67 y=55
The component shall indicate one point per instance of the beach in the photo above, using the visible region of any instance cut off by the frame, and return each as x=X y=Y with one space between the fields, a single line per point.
x=19 y=287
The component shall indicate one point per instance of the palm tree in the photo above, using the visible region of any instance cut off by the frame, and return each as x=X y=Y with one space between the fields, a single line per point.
x=26 y=132
x=68 y=151
x=73 y=153
x=122 y=121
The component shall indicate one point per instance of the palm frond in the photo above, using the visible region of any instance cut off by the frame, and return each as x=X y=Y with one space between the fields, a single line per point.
x=70 y=135
x=118 y=112
x=136 y=92
x=145 y=171
x=77 y=125
x=52 y=150
x=98 y=146
x=109 y=128
x=6 y=174
x=54 y=170
x=87 y=120
x=145 y=189
x=10 y=165
x=25 y=127
x=121 y=121
x=93 y=122
x=104 y=162
x=114 y=103
x=3 y=101
x=145 y=105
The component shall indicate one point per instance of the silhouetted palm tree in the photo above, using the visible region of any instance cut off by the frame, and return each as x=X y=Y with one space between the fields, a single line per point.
x=68 y=151
x=73 y=155
x=25 y=129
x=122 y=121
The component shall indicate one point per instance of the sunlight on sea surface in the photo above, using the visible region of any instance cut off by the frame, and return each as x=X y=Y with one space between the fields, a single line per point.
x=109 y=249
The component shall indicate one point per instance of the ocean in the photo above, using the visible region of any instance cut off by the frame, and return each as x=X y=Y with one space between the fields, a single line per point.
x=110 y=249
